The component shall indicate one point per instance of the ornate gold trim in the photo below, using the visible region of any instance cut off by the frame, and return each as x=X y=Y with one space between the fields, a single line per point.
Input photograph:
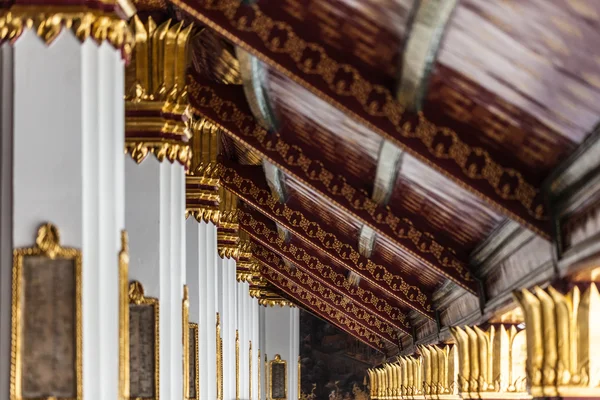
x=48 y=22
x=137 y=297
x=250 y=370
x=124 y=317
x=277 y=360
x=299 y=375
x=194 y=328
x=219 y=359
x=258 y=372
x=185 y=341
x=47 y=245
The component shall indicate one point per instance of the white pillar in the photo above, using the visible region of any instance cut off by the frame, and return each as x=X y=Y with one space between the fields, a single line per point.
x=282 y=337
x=201 y=274
x=256 y=347
x=63 y=122
x=155 y=218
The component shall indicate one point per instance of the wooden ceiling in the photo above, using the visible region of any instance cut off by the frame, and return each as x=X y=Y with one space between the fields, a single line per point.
x=402 y=137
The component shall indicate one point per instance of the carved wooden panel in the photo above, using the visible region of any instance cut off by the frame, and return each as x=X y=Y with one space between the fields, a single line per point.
x=46 y=320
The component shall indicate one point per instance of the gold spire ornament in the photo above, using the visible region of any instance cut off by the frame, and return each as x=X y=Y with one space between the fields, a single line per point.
x=563 y=338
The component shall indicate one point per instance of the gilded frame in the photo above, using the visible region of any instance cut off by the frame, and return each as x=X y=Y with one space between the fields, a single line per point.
x=237 y=364
x=137 y=297
x=194 y=327
x=47 y=245
x=277 y=361
x=124 y=317
x=219 y=357
x=185 y=341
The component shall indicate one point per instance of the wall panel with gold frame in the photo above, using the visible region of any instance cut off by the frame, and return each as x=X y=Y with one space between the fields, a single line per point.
x=143 y=344
x=277 y=371
x=46 y=352
x=124 y=317
x=194 y=365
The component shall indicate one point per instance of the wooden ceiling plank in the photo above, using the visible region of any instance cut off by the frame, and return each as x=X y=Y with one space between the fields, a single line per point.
x=313 y=233
x=323 y=310
x=317 y=68
x=226 y=107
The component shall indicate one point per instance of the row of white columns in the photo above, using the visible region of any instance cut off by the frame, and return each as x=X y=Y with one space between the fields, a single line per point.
x=62 y=161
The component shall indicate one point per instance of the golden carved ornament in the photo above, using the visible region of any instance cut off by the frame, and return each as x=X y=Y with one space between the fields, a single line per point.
x=202 y=180
x=158 y=116
x=563 y=338
x=196 y=366
x=277 y=361
x=228 y=234
x=250 y=370
x=439 y=371
x=491 y=364
x=49 y=21
x=397 y=380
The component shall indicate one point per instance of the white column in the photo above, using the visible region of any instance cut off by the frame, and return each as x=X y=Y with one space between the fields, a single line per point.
x=201 y=268
x=63 y=122
x=256 y=346
x=282 y=337
x=209 y=378
x=155 y=209
x=262 y=339
x=243 y=319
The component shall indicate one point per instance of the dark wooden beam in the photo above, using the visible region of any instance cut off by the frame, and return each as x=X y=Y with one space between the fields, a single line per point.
x=460 y=156
x=310 y=231
x=226 y=107
x=324 y=310
x=305 y=261
x=352 y=309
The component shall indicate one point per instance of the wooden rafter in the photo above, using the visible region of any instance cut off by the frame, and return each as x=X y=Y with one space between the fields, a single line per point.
x=323 y=310
x=224 y=105
x=321 y=71
x=352 y=309
x=310 y=231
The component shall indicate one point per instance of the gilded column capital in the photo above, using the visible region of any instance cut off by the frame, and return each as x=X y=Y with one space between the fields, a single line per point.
x=563 y=332
x=203 y=178
x=158 y=115
x=440 y=371
x=491 y=363
x=100 y=21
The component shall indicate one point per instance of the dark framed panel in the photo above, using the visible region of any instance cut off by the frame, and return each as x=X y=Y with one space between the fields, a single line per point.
x=46 y=356
x=277 y=378
x=143 y=344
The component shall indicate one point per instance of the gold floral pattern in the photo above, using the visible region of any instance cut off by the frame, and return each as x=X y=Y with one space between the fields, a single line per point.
x=327 y=294
x=332 y=315
x=345 y=81
x=340 y=192
x=263 y=233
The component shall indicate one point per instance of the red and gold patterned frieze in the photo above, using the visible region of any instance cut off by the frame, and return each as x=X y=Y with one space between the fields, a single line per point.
x=158 y=116
x=323 y=272
x=461 y=156
x=321 y=308
x=352 y=308
x=225 y=106
x=98 y=20
x=311 y=231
